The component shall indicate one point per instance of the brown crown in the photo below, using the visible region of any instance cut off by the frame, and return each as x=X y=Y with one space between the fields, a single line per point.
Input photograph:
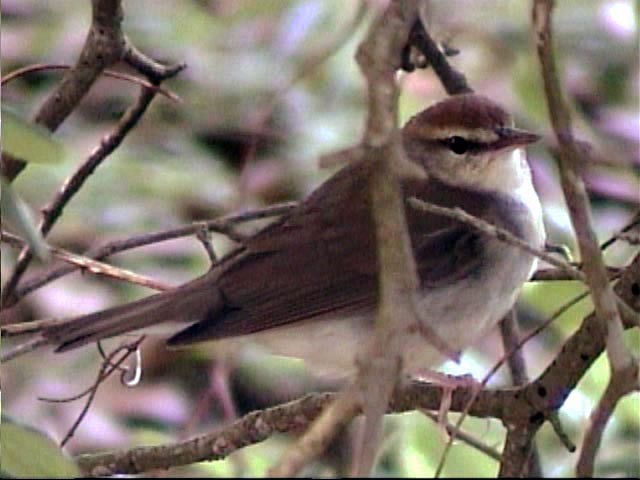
x=468 y=111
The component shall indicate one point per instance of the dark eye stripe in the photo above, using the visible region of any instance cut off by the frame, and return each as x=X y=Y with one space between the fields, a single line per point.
x=460 y=145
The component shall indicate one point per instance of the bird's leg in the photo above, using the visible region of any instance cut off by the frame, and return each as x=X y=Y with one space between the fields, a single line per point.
x=448 y=383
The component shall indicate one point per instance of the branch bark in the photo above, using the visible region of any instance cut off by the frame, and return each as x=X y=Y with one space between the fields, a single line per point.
x=527 y=406
x=107 y=45
x=379 y=58
x=569 y=157
x=103 y=47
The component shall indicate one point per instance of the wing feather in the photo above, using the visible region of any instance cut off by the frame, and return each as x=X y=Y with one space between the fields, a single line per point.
x=322 y=258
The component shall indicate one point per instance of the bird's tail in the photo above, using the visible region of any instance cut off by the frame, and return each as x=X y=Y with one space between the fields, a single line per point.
x=189 y=302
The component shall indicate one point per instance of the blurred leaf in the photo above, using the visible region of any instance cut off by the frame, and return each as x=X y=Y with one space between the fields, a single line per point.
x=425 y=443
x=26 y=141
x=27 y=453
x=528 y=88
x=250 y=10
x=16 y=213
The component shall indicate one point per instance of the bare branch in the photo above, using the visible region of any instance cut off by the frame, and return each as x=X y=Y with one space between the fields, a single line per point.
x=621 y=383
x=378 y=57
x=510 y=334
x=498 y=233
x=103 y=47
x=569 y=157
x=223 y=225
x=453 y=81
x=54 y=209
x=530 y=404
x=38 y=67
x=108 y=367
x=93 y=266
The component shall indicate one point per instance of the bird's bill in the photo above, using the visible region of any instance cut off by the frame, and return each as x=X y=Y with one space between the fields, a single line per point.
x=515 y=137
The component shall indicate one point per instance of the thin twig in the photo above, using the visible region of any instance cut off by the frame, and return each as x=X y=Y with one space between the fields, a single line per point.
x=622 y=383
x=22 y=349
x=633 y=223
x=54 y=209
x=221 y=225
x=202 y=234
x=498 y=233
x=38 y=67
x=93 y=266
x=555 y=274
x=569 y=156
x=108 y=367
x=465 y=437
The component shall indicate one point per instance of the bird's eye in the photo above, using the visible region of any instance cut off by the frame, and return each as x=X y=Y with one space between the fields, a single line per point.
x=457 y=145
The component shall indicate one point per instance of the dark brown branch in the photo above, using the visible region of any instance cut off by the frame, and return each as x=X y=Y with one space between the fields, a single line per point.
x=527 y=406
x=38 y=67
x=453 y=81
x=55 y=208
x=103 y=47
x=517 y=367
x=556 y=274
x=154 y=71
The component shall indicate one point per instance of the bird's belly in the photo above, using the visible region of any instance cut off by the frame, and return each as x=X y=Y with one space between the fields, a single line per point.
x=460 y=314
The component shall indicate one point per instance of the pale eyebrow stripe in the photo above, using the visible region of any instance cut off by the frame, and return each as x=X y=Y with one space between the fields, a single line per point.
x=474 y=135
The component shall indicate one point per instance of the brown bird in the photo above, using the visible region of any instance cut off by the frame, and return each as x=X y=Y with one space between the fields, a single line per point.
x=306 y=285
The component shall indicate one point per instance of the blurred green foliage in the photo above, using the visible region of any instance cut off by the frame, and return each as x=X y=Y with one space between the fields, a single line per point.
x=195 y=159
x=27 y=453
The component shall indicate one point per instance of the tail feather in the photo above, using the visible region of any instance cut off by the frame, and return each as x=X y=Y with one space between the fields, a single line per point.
x=189 y=302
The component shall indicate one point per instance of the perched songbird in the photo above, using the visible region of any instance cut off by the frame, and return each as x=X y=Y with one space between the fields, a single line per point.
x=306 y=285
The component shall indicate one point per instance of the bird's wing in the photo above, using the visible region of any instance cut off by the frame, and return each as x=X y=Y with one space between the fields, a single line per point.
x=322 y=258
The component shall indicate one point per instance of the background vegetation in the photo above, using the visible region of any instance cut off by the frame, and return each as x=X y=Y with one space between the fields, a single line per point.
x=260 y=100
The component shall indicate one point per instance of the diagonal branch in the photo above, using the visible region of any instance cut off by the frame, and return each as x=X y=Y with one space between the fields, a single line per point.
x=103 y=47
x=624 y=382
x=54 y=209
x=569 y=157
x=223 y=225
x=93 y=266
x=526 y=406
x=379 y=57
x=499 y=233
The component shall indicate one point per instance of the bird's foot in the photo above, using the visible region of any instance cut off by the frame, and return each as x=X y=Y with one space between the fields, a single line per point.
x=448 y=383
